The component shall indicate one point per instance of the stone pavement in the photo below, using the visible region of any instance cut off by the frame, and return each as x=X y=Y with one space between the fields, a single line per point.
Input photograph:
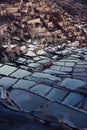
x=53 y=82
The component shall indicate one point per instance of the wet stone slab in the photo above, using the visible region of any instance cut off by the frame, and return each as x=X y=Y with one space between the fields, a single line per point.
x=54 y=67
x=24 y=67
x=66 y=69
x=73 y=99
x=57 y=94
x=27 y=100
x=82 y=63
x=60 y=63
x=20 y=73
x=79 y=70
x=41 y=89
x=54 y=72
x=81 y=74
x=75 y=56
x=70 y=64
x=72 y=83
x=41 y=80
x=46 y=76
x=7 y=82
x=69 y=115
x=70 y=59
x=84 y=78
x=44 y=61
x=21 y=60
x=65 y=63
x=15 y=120
x=34 y=65
x=25 y=84
x=6 y=70
x=44 y=58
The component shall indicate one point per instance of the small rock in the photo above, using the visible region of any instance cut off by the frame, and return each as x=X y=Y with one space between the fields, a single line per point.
x=30 y=53
x=75 y=44
x=40 y=52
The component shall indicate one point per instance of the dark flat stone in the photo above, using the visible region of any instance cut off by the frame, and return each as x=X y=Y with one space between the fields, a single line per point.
x=24 y=84
x=27 y=100
x=41 y=89
x=73 y=99
x=69 y=115
x=72 y=83
x=20 y=73
x=15 y=120
x=7 y=82
x=6 y=70
x=57 y=94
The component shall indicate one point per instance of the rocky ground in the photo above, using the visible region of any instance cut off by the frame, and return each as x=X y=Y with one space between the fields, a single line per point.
x=60 y=24
x=43 y=69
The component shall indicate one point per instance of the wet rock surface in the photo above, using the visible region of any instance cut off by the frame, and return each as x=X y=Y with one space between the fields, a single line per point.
x=43 y=68
x=24 y=90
